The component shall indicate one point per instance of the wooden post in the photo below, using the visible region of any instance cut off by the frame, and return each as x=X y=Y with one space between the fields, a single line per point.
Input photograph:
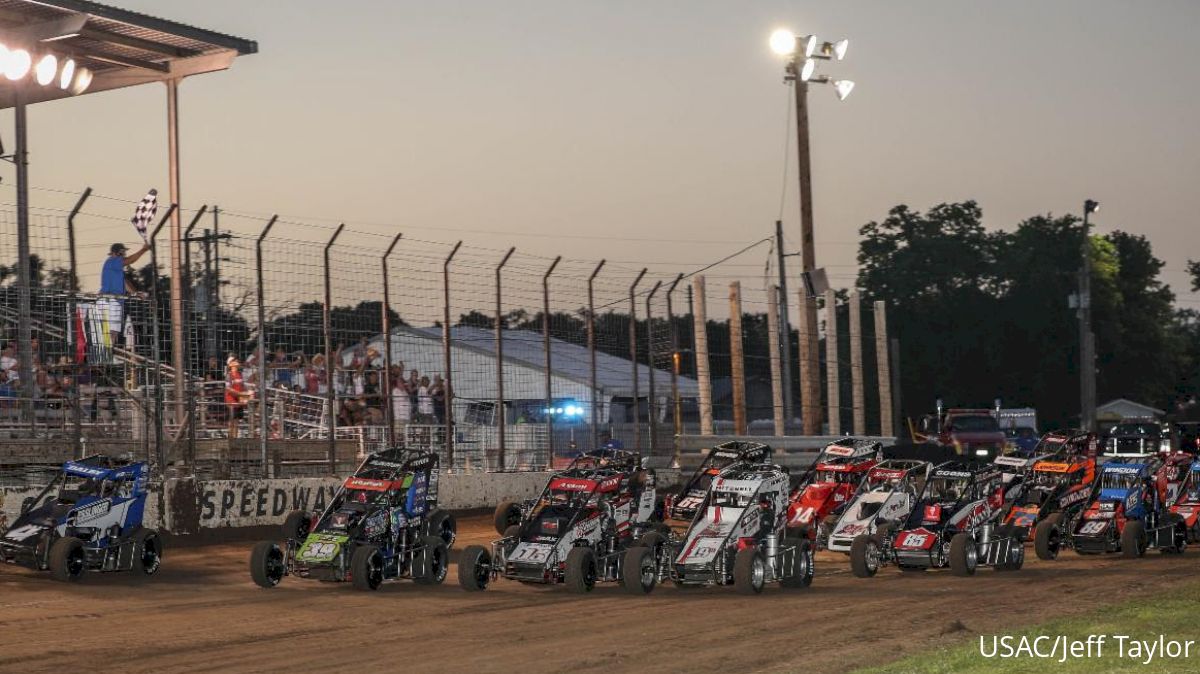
x=776 y=364
x=886 y=425
x=832 y=381
x=703 y=373
x=856 y=371
x=736 y=357
x=810 y=401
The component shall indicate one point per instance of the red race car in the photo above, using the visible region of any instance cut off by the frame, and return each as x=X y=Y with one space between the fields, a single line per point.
x=824 y=491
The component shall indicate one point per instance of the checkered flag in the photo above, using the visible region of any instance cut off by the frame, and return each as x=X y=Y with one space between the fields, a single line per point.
x=147 y=208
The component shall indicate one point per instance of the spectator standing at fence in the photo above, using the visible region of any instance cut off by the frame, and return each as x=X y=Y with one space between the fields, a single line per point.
x=414 y=385
x=437 y=391
x=236 y=395
x=401 y=401
x=113 y=282
x=424 y=401
x=315 y=380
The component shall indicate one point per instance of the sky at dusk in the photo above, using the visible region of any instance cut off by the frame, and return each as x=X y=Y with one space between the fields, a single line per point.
x=605 y=129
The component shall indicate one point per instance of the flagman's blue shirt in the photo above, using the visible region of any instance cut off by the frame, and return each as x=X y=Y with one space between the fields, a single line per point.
x=112 y=276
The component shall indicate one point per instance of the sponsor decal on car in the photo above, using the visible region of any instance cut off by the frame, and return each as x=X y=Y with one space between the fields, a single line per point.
x=1122 y=470
x=916 y=539
x=91 y=511
x=838 y=450
x=321 y=548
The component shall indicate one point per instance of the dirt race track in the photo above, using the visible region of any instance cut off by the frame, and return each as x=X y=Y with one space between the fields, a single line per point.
x=202 y=613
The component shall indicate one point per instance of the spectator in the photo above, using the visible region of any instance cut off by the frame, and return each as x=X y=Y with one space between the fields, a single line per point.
x=437 y=391
x=235 y=395
x=113 y=282
x=401 y=401
x=424 y=401
x=414 y=385
x=317 y=376
x=283 y=366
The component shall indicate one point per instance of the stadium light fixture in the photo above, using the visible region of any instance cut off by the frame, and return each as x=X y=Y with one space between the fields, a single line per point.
x=46 y=70
x=843 y=88
x=807 y=70
x=839 y=48
x=83 y=80
x=1091 y=206
x=783 y=42
x=810 y=46
x=67 y=74
x=17 y=64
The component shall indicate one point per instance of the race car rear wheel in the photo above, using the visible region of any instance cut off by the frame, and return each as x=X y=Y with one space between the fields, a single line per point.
x=474 y=568
x=366 y=568
x=433 y=561
x=267 y=568
x=653 y=541
x=797 y=570
x=1016 y=550
x=580 y=571
x=749 y=570
x=147 y=551
x=964 y=557
x=67 y=559
x=639 y=571
x=864 y=556
x=442 y=524
x=1133 y=539
x=507 y=514
x=1047 y=537
x=296 y=525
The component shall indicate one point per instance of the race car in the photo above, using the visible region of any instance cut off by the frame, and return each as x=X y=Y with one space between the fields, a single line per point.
x=822 y=493
x=953 y=523
x=884 y=499
x=511 y=513
x=739 y=536
x=1127 y=515
x=1187 y=504
x=382 y=524
x=1055 y=493
x=576 y=532
x=682 y=505
x=89 y=518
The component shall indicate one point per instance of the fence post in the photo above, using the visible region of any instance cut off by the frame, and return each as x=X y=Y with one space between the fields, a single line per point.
x=637 y=432
x=737 y=358
x=777 y=397
x=500 y=411
x=591 y=337
x=832 y=378
x=884 y=370
x=190 y=448
x=677 y=411
x=810 y=405
x=389 y=413
x=650 y=399
x=856 y=370
x=703 y=372
x=267 y=468
x=157 y=350
x=447 y=386
x=549 y=371
x=330 y=366
x=72 y=336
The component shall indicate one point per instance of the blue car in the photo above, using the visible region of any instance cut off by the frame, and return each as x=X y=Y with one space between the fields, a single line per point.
x=1127 y=515
x=89 y=518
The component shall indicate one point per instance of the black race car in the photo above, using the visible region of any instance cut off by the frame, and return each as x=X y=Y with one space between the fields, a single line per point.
x=382 y=524
x=683 y=504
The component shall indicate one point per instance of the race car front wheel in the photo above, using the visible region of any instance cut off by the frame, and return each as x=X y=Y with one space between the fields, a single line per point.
x=798 y=566
x=749 y=570
x=67 y=559
x=147 y=551
x=1047 y=537
x=580 y=572
x=1133 y=539
x=964 y=557
x=864 y=556
x=267 y=567
x=639 y=571
x=506 y=515
x=366 y=568
x=474 y=568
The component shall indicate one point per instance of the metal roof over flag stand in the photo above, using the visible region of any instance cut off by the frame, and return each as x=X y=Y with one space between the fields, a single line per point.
x=86 y=48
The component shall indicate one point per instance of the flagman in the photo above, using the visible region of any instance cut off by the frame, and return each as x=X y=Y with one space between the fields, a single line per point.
x=114 y=283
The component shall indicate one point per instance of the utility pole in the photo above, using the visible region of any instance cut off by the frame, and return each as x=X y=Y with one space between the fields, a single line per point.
x=810 y=385
x=785 y=328
x=1087 y=340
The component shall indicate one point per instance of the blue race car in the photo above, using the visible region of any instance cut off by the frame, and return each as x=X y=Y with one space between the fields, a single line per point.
x=1128 y=515
x=89 y=518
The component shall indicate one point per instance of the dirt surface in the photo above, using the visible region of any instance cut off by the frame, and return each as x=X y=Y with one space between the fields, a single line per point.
x=202 y=613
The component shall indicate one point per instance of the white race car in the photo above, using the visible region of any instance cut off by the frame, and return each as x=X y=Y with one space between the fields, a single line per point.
x=885 y=496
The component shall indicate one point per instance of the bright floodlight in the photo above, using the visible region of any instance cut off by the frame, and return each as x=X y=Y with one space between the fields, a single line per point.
x=68 y=74
x=783 y=42
x=806 y=71
x=810 y=46
x=83 y=80
x=18 y=64
x=843 y=87
x=1091 y=206
x=47 y=68
x=839 y=49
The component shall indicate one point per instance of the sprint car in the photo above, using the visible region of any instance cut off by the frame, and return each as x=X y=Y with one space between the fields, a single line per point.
x=952 y=524
x=1056 y=491
x=885 y=498
x=823 y=492
x=576 y=532
x=1126 y=514
x=382 y=524
x=1187 y=504
x=89 y=518
x=683 y=505
x=739 y=536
